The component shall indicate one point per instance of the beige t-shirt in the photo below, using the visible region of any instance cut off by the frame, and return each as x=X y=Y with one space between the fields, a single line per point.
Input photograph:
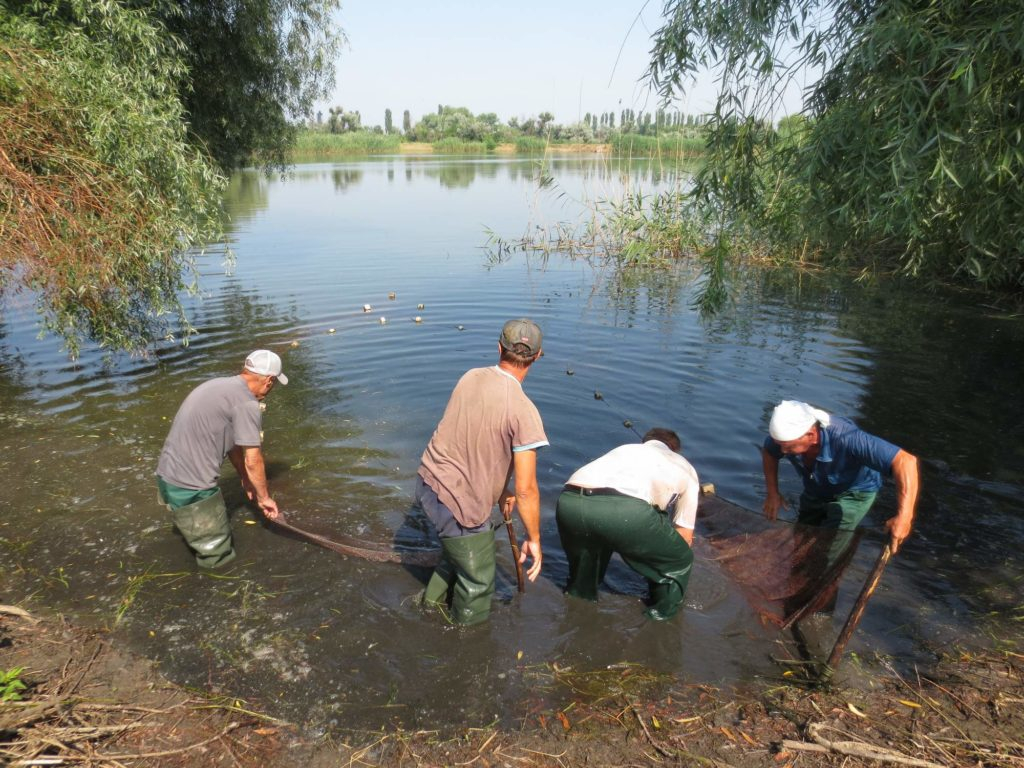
x=468 y=460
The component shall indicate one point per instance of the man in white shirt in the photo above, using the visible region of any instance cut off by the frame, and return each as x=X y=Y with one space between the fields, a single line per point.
x=639 y=500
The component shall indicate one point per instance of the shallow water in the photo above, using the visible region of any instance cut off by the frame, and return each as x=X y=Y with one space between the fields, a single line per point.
x=340 y=642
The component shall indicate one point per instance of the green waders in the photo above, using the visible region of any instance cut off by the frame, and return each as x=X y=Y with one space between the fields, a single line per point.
x=465 y=576
x=843 y=513
x=592 y=528
x=203 y=523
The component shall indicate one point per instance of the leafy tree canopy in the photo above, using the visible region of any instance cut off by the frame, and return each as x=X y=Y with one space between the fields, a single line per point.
x=116 y=119
x=253 y=68
x=911 y=153
x=101 y=193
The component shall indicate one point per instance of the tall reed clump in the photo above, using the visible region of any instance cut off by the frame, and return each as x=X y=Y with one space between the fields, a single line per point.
x=317 y=144
x=665 y=145
x=530 y=145
x=453 y=145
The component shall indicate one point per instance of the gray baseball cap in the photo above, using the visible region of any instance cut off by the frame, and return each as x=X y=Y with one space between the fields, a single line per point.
x=521 y=331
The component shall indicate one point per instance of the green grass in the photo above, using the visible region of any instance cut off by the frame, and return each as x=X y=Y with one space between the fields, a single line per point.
x=320 y=144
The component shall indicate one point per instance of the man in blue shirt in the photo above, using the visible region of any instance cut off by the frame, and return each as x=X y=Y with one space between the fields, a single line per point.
x=842 y=468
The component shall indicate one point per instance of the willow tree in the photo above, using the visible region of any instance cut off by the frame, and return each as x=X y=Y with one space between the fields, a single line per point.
x=253 y=68
x=114 y=130
x=910 y=151
x=101 y=192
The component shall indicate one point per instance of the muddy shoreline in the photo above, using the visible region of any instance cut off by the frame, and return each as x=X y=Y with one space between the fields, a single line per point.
x=89 y=701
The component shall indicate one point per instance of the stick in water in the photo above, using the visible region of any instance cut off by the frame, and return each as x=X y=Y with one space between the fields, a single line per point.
x=858 y=608
x=506 y=513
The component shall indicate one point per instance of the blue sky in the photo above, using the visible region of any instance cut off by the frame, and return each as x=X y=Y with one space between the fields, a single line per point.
x=515 y=59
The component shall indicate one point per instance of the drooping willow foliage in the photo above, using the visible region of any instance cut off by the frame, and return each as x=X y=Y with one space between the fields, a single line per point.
x=101 y=194
x=117 y=121
x=908 y=154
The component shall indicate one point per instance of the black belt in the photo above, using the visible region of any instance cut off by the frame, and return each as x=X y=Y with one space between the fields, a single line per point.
x=594 y=491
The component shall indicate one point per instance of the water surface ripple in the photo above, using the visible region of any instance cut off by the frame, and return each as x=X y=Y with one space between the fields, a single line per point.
x=339 y=642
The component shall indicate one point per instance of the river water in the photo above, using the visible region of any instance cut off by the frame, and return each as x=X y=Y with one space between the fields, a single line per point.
x=339 y=642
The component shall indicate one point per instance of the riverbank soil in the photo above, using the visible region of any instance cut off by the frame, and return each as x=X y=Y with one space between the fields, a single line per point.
x=88 y=702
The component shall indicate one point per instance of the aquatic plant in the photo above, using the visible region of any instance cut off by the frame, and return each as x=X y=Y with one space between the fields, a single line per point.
x=134 y=587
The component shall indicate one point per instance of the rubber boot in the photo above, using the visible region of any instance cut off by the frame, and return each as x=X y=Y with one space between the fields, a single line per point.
x=666 y=595
x=473 y=558
x=439 y=588
x=204 y=524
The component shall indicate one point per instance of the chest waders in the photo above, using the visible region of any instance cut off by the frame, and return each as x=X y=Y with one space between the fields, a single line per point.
x=203 y=523
x=464 y=577
x=592 y=528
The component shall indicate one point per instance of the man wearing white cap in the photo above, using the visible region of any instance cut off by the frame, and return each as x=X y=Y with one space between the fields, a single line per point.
x=842 y=468
x=221 y=417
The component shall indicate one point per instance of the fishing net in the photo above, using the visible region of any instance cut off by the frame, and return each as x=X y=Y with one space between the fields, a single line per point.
x=786 y=571
x=413 y=543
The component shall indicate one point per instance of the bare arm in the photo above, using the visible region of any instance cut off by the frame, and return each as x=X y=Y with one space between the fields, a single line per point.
x=528 y=502
x=237 y=457
x=685 y=511
x=256 y=472
x=908 y=480
x=773 y=499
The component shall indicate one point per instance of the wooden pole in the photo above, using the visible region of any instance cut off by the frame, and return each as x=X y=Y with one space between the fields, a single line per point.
x=858 y=608
x=506 y=513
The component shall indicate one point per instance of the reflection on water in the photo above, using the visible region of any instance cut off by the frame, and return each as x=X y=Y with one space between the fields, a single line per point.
x=341 y=642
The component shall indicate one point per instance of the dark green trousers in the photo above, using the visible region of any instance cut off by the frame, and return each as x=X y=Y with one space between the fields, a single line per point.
x=843 y=513
x=592 y=528
x=202 y=519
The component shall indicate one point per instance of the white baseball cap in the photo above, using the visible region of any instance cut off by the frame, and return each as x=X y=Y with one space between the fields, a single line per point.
x=265 y=363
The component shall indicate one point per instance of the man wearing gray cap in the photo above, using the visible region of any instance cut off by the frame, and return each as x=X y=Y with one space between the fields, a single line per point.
x=221 y=417
x=841 y=466
x=489 y=433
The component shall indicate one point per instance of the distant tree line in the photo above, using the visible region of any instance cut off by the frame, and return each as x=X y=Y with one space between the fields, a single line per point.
x=460 y=123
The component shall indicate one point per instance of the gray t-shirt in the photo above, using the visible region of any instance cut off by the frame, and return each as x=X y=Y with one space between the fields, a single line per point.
x=468 y=459
x=216 y=416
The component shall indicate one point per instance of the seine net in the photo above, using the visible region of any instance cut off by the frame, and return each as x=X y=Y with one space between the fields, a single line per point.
x=786 y=571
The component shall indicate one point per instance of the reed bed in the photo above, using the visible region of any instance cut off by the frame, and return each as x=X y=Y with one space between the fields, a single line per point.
x=666 y=145
x=452 y=145
x=314 y=144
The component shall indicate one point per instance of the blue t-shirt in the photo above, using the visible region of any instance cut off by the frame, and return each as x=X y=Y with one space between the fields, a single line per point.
x=849 y=460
